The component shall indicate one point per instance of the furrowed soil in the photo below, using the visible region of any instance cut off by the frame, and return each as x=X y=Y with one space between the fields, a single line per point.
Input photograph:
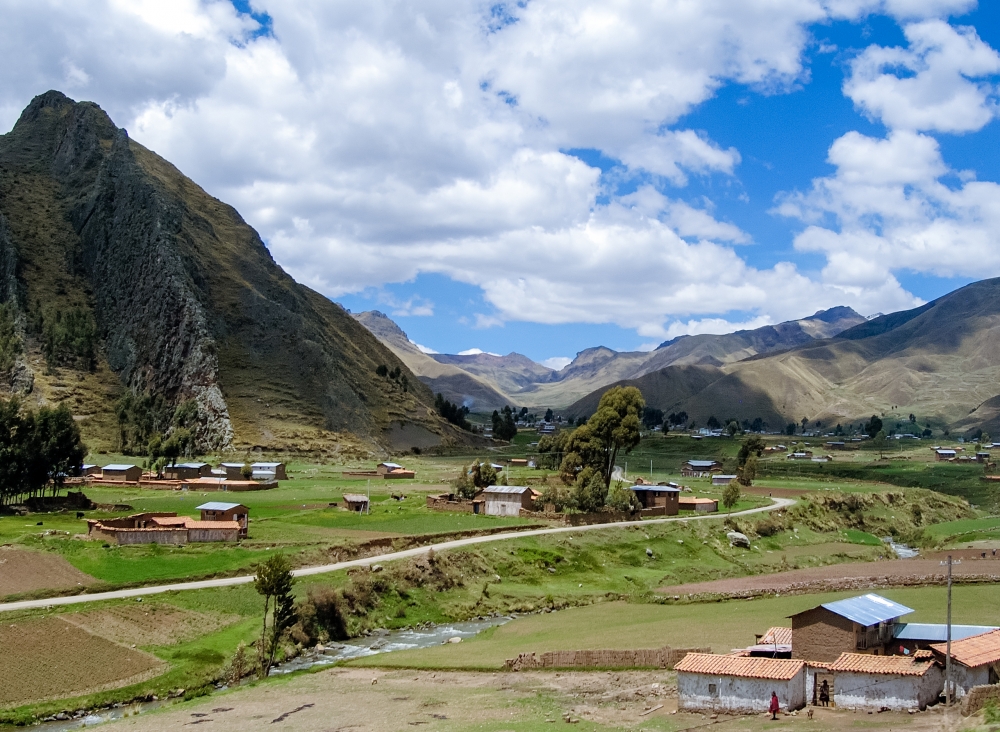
x=832 y=578
x=149 y=624
x=50 y=658
x=28 y=571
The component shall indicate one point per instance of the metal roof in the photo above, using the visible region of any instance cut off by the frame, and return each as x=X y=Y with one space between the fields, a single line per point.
x=514 y=489
x=117 y=467
x=867 y=609
x=775 y=669
x=193 y=466
x=391 y=465
x=217 y=506
x=702 y=463
x=647 y=487
x=938 y=632
x=266 y=465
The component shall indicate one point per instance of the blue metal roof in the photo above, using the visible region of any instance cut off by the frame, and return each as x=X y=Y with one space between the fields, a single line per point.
x=867 y=609
x=938 y=632
x=701 y=463
x=217 y=506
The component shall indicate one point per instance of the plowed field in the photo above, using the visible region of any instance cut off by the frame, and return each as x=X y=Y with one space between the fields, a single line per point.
x=148 y=624
x=26 y=571
x=49 y=658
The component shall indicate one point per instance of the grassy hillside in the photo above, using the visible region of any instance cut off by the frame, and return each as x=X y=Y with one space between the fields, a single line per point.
x=183 y=300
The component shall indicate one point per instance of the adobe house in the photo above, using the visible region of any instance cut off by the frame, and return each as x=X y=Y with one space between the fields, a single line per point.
x=698 y=505
x=740 y=684
x=941 y=455
x=161 y=528
x=123 y=473
x=864 y=624
x=269 y=471
x=658 y=496
x=90 y=470
x=700 y=468
x=874 y=683
x=187 y=471
x=220 y=511
x=507 y=500
x=356 y=502
x=975 y=660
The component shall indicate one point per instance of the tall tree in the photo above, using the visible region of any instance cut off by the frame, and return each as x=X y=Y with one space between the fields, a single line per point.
x=274 y=583
x=615 y=426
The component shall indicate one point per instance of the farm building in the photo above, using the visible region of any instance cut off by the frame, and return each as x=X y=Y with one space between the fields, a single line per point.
x=698 y=505
x=982 y=457
x=219 y=511
x=90 y=470
x=945 y=454
x=125 y=473
x=519 y=462
x=739 y=684
x=912 y=637
x=865 y=624
x=775 y=643
x=161 y=528
x=700 y=468
x=383 y=468
x=234 y=471
x=187 y=471
x=507 y=500
x=258 y=471
x=800 y=455
x=867 y=682
x=658 y=496
x=975 y=660
x=356 y=502
x=723 y=479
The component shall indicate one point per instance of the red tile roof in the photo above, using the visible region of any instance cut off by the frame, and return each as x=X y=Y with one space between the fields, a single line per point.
x=781 y=636
x=866 y=664
x=777 y=669
x=978 y=650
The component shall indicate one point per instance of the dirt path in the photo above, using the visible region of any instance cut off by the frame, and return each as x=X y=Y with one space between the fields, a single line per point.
x=778 y=503
x=862 y=575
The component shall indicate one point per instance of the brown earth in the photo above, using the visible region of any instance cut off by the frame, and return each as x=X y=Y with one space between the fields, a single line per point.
x=27 y=571
x=864 y=575
x=49 y=658
x=148 y=624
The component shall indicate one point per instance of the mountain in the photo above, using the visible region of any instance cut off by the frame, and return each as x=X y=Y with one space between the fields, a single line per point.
x=120 y=275
x=516 y=379
x=453 y=383
x=939 y=362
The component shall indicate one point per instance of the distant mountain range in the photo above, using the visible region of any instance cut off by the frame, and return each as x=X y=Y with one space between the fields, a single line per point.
x=119 y=274
x=486 y=382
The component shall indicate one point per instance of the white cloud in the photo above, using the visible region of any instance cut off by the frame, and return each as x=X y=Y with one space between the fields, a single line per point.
x=424 y=349
x=557 y=363
x=476 y=352
x=942 y=82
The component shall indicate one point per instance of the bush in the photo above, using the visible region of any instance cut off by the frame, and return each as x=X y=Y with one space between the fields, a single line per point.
x=621 y=498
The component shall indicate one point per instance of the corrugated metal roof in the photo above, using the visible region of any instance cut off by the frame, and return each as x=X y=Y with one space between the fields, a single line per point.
x=193 y=466
x=939 y=631
x=647 y=487
x=978 y=650
x=392 y=466
x=775 y=669
x=779 y=635
x=266 y=465
x=510 y=489
x=218 y=506
x=866 y=664
x=117 y=467
x=701 y=463
x=867 y=609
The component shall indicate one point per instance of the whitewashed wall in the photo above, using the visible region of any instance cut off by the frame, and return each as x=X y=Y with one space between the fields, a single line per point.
x=507 y=505
x=734 y=694
x=965 y=678
x=875 y=691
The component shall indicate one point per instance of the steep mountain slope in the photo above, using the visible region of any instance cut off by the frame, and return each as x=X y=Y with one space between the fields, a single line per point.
x=183 y=297
x=940 y=362
x=453 y=383
x=509 y=374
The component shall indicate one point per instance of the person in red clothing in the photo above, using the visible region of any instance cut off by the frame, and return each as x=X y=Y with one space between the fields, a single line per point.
x=775 y=706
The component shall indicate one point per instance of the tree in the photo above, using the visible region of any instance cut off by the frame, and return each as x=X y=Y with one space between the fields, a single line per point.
x=615 y=426
x=589 y=491
x=551 y=449
x=748 y=471
x=651 y=417
x=60 y=450
x=246 y=471
x=805 y=423
x=453 y=412
x=873 y=426
x=752 y=445
x=732 y=427
x=274 y=583
x=731 y=495
x=382 y=370
x=621 y=498
x=879 y=442
x=713 y=423
x=548 y=415
x=483 y=474
x=504 y=427
x=790 y=429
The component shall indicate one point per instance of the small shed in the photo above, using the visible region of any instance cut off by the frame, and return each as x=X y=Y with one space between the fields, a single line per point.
x=658 y=496
x=356 y=502
x=866 y=623
x=90 y=469
x=700 y=468
x=975 y=660
x=945 y=454
x=187 y=471
x=507 y=500
x=383 y=468
x=741 y=684
x=723 y=479
x=125 y=473
x=867 y=682
x=220 y=511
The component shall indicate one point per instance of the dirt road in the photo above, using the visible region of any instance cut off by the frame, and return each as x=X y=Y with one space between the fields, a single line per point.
x=778 y=503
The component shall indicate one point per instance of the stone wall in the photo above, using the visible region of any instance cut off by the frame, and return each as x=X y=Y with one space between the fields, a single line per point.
x=665 y=657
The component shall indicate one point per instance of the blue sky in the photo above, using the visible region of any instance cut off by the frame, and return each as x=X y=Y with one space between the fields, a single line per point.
x=551 y=175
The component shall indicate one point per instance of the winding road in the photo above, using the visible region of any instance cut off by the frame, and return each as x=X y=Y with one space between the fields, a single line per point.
x=778 y=503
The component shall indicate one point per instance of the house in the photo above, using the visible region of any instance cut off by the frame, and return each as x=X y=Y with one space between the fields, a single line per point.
x=124 y=473
x=982 y=457
x=519 y=462
x=507 y=500
x=723 y=479
x=393 y=471
x=658 y=496
x=945 y=454
x=865 y=624
x=700 y=468
x=275 y=471
x=698 y=505
x=975 y=660
x=356 y=502
x=90 y=470
x=866 y=682
x=709 y=682
x=912 y=637
x=187 y=471
x=800 y=455
x=383 y=468
x=162 y=528
x=219 y=511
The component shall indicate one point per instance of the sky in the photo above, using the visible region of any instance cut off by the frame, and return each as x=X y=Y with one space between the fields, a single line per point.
x=543 y=176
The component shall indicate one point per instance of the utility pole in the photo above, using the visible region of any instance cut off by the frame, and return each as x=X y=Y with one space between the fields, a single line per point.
x=947 y=660
x=368 y=503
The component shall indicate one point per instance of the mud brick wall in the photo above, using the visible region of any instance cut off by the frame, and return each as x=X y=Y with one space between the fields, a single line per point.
x=665 y=657
x=977 y=697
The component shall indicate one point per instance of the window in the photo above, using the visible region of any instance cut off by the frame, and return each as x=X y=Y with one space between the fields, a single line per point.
x=713 y=689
